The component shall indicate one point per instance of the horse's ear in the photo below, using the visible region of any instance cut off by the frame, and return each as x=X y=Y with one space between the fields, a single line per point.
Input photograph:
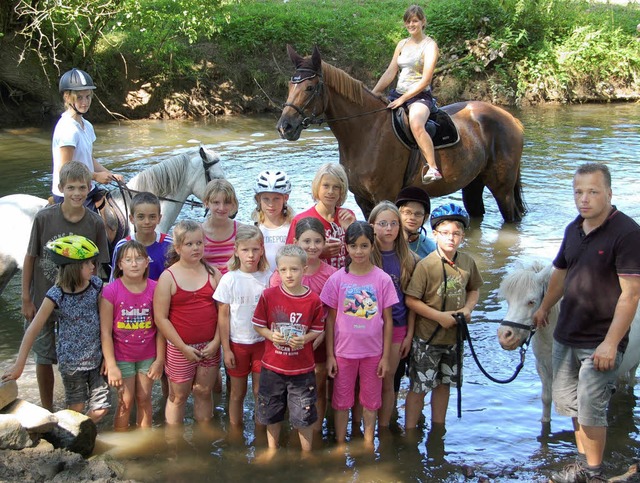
x=316 y=59
x=203 y=153
x=296 y=58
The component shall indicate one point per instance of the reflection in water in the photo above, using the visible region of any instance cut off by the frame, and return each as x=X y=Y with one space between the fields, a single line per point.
x=499 y=435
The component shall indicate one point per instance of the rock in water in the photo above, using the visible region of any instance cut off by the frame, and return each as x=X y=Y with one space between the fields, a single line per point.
x=33 y=418
x=75 y=432
x=12 y=434
x=8 y=393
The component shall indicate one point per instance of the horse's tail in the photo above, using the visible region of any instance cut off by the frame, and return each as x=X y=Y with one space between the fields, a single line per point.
x=518 y=197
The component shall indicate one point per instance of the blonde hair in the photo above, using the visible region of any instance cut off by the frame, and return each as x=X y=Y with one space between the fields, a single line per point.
x=335 y=170
x=291 y=251
x=136 y=247
x=70 y=97
x=287 y=212
x=243 y=234
x=179 y=234
x=217 y=186
x=400 y=245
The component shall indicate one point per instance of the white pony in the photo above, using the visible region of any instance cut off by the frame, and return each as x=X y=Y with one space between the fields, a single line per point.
x=523 y=289
x=174 y=179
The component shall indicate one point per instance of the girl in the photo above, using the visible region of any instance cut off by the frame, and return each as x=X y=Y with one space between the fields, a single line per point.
x=75 y=296
x=416 y=59
x=238 y=294
x=133 y=351
x=395 y=258
x=310 y=236
x=329 y=188
x=359 y=330
x=74 y=136
x=187 y=317
x=219 y=228
x=272 y=215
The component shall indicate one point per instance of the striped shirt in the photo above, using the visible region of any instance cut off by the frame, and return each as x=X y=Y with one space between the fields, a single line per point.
x=218 y=252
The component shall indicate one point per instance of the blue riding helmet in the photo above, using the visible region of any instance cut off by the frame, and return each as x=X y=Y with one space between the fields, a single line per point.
x=449 y=212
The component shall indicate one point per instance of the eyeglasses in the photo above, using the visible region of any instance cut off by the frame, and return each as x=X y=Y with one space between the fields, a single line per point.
x=138 y=260
x=385 y=224
x=414 y=214
x=449 y=234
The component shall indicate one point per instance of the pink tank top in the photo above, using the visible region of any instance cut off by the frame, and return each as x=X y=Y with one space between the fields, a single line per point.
x=194 y=314
x=218 y=252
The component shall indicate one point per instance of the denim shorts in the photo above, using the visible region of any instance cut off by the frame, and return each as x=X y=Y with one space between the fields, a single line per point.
x=433 y=365
x=580 y=391
x=277 y=392
x=88 y=387
x=130 y=369
x=44 y=347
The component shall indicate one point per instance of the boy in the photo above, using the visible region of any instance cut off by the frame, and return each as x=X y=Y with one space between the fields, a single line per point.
x=444 y=283
x=145 y=216
x=70 y=217
x=289 y=317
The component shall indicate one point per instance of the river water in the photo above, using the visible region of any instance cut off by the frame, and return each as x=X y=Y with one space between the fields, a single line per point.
x=499 y=435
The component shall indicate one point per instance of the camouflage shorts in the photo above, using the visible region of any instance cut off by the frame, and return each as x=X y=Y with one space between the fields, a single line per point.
x=432 y=365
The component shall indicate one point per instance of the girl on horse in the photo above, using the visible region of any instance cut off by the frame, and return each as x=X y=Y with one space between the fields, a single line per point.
x=415 y=58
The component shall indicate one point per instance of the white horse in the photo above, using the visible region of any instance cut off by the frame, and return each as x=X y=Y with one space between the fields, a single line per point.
x=173 y=179
x=523 y=289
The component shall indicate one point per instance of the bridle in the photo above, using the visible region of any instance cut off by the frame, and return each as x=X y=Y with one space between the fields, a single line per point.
x=307 y=74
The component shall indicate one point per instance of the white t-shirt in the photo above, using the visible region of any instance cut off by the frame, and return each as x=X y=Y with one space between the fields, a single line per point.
x=241 y=291
x=274 y=238
x=69 y=132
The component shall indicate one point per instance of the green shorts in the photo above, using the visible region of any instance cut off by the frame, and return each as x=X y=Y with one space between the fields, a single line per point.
x=130 y=369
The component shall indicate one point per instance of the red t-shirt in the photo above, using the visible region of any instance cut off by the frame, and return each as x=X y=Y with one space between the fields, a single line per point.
x=292 y=315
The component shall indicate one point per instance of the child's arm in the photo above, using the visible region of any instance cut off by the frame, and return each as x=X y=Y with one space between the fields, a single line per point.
x=46 y=309
x=212 y=348
x=405 y=346
x=273 y=336
x=445 y=319
x=112 y=371
x=156 y=368
x=224 y=329
x=383 y=365
x=28 y=307
x=470 y=304
x=329 y=331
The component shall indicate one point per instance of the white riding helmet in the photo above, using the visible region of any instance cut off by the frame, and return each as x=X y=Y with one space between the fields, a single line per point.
x=273 y=182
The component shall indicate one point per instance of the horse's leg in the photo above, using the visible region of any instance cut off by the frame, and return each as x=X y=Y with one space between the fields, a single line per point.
x=365 y=204
x=472 y=198
x=8 y=268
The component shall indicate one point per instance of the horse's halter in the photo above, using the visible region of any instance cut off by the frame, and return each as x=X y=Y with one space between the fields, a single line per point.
x=531 y=328
x=300 y=76
x=206 y=165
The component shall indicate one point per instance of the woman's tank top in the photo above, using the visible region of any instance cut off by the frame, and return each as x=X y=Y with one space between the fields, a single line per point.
x=411 y=65
x=194 y=314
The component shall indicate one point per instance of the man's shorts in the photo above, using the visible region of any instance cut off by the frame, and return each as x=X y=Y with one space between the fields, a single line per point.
x=277 y=392
x=344 y=383
x=44 y=347
x=178 y=369
x=86 y=387
x=248 y=358
x=580 y=391
x=433 y=365
x=130 y=369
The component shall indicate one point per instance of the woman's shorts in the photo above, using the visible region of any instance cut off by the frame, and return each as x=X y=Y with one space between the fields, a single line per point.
x=130 y=369
x=424 y=97
x=178 y=369
x=248 y=358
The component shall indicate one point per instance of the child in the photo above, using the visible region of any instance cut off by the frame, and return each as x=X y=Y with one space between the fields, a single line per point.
x=75 y=296
x=39 y=271
x=219 y=228
x=395 y=258
x=359 y=330
x=74 y=136
x=133 y=351
x=272 y=215
x=187 y=317
x=329 y=188
x=290 y=317
x=444 y=283
x=310 y=237
x=415 y=206
x=145 y=216
x=237 y=294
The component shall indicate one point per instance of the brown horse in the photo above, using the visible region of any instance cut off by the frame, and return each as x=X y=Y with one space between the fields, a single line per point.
x=488 y=153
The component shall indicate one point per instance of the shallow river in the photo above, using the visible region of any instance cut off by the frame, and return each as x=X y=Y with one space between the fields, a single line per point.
x=499 y=435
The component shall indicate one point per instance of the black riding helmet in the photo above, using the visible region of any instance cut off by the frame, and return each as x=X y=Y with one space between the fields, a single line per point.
x=76 y=80
x=413 y=193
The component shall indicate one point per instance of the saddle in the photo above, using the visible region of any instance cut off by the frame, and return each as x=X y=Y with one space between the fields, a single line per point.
x=115 y=222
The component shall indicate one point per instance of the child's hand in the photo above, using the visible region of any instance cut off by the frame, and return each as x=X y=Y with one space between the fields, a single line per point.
x=209 y=351
x=332 y=366
x=28 y=310
x=155 y=370
x=296 y=342
x=114 y=376
x=383 y=368
x=318 y=340
x=405 y=347
x=278 y=338
x=447 y=320
x=331 y=248
x=192 y=354
x=229 y=359
x=346 y=218
x=466 y=312
x=13 y=373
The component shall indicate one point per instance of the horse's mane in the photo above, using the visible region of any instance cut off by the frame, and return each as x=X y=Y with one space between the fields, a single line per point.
x=343 y=83
x=524 y=280
x=165 y=177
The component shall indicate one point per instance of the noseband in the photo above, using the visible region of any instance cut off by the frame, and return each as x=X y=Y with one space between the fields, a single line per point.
x=300 y=76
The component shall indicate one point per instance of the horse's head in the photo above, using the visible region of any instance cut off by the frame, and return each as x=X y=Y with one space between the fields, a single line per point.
x=306 y=99
x=209 y=162
x=523 y=289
